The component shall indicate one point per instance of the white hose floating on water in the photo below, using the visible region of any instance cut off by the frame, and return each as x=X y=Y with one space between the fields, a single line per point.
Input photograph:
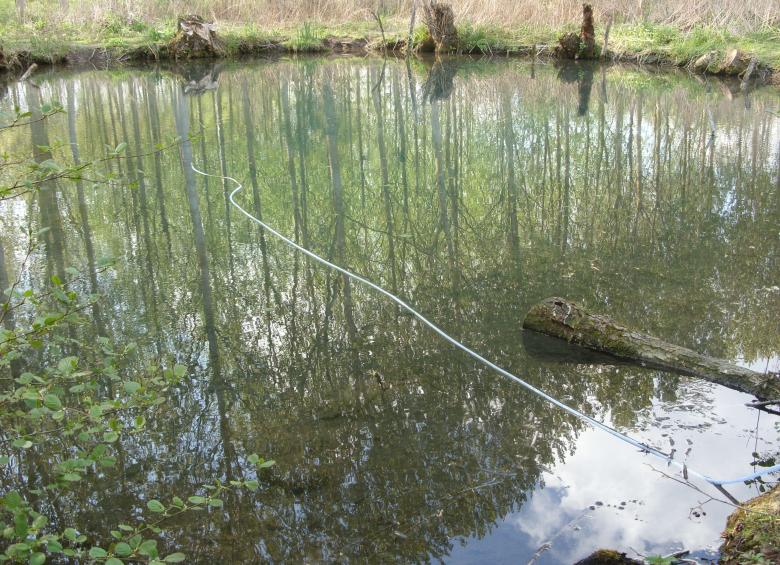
x=687 y=471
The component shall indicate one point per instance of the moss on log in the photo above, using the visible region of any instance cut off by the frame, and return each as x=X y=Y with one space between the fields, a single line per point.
x=608 y=557
x=564 y=319
x=753 y=530
x=195 y=38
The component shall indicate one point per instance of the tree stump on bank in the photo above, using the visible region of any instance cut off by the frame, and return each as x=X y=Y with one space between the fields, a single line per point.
x=440 y=21
x=561 y=318
x=195 y=38
x=582 y=46
x=587 y=34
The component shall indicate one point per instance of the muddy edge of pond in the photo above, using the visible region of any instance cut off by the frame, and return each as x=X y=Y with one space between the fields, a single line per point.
x=107 y=56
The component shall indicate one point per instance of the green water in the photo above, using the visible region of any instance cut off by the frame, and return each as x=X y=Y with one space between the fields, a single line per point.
x=471 y=189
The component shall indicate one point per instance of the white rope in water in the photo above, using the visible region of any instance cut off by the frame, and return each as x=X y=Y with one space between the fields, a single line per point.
x=687 y=471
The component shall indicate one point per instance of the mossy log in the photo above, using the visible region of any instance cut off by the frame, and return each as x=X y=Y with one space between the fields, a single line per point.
x=753 y=529
x=564 y=319
x=608 y=557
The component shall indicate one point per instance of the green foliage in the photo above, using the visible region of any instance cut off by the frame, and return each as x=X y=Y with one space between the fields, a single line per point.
x=659 y=560
x=72 y=400
x=682 y=47
x=307 y=38
x=481 y=39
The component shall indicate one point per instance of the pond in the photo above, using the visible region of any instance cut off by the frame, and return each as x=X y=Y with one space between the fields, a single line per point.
x=471 y=189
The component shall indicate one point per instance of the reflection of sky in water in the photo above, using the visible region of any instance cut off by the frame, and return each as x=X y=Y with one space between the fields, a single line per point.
x=627 y=493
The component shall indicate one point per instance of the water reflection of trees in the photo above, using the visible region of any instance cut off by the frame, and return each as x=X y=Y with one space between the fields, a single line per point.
x=473 y=205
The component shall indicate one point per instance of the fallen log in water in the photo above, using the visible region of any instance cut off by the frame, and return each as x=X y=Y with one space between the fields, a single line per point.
x=561 y=318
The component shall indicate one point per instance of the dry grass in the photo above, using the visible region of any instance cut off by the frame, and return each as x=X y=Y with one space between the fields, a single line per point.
x=749 y=15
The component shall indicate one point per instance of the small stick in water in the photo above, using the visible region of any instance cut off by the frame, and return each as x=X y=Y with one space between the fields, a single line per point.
x=28 y=73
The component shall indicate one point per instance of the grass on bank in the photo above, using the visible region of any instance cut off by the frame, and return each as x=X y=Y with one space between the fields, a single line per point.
x=50 y=41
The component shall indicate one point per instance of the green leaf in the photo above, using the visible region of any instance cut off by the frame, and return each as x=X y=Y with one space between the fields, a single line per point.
x=22 y=443
x=68 y=365
x=107 y=461
x=216 y=503
x=52 y=402
x=25 y=378
x=254 y=458
x=120 y=148
x=37 y=558
x=197 y=499
x=266 y=464
x=126 y=528
x=53 y=546
x=70 y=534
x=122 y=549
x=155 y=506
x=110 y=437
x=149 y=548
x=114 y=561
x=71 y=477
x=40 y=522
x=175 y=558
x=131 y=387
x=20 y=525
x=252 y=485
x=179 y=371
x=135 y=541
x=17 y=548
x=4 y=460
x=97 y=552
x=12 y=500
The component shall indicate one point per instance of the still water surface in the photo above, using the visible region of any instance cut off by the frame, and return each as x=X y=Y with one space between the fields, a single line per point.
x=472 y=189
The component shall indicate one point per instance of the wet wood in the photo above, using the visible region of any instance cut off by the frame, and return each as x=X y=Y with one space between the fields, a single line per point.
x=28 y=73
x=564 y=319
